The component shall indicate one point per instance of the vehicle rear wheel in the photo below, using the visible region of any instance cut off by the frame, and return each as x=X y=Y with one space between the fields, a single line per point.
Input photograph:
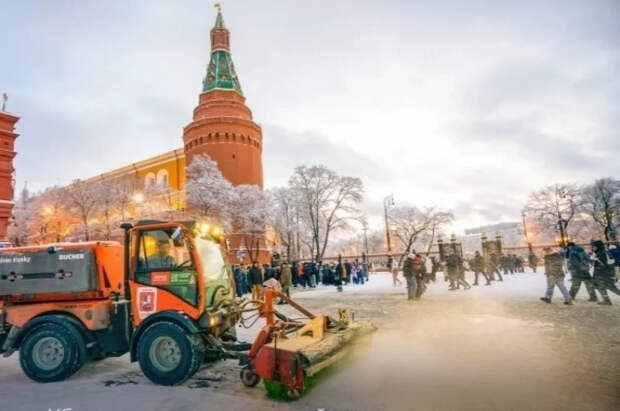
x=49 y=353
x=168 y=355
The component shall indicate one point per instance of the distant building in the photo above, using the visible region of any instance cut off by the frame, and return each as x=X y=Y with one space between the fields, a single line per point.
x=511 y=232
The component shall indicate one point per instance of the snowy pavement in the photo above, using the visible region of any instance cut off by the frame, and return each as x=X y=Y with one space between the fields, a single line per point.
x=489 y=348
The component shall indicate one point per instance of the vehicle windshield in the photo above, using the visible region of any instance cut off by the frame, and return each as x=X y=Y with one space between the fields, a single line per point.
x=211 y=258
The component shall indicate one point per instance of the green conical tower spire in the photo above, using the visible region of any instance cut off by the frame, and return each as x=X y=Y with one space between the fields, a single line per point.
x=221 y=73
x=219 y=20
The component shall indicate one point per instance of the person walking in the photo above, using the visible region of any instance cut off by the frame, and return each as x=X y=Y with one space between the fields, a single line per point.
x=554 y=270
x=533 y=261
x=456 y=273
x=579 y=268
x=493 y=267
x=239 y=280
x=461 y=274
x=392 y=268
x=409 y=274
x=365 y=270
x=603 y=271
x=477 y=266
x=452 y=264
x=614 y=250
x=286 y=279
x=359 y=272
x=504 y=263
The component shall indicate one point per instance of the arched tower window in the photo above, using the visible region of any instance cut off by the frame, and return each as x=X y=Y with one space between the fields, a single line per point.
x=162 y=177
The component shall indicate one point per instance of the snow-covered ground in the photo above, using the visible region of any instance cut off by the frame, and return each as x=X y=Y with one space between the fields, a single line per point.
x=488 y=348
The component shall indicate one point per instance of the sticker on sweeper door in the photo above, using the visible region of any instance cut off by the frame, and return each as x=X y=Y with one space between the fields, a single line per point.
x=147 y=301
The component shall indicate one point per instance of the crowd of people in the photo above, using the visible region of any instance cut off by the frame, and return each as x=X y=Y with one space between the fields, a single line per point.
x=597 y=269
x=250 y=278
x=419 y=271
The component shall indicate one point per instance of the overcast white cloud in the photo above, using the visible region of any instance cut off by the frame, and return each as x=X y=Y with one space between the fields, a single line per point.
x=469 y=105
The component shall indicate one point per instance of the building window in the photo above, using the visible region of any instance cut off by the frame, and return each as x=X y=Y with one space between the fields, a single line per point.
x=162 y=178
x=149 y=180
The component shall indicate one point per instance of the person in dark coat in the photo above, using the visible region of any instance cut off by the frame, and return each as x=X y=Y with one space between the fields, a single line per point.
x=554 y=270
x=493 y=267
x=455 y=270
x=504 y=263
x=477 y=266
x=604 y=271
x=327 y=274
x=294 y=273
x=579 y=268
x=340 y=273
x=409 y=274
x=269 y=272
x=347 y=273
x=419 y=270
x=256 y=278
x=520 y=264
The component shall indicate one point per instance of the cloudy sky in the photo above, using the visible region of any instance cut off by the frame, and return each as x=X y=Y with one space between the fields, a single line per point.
x=469 y=105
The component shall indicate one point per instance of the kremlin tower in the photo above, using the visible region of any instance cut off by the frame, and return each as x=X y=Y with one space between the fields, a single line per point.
x=222 y=125
x=7 y=153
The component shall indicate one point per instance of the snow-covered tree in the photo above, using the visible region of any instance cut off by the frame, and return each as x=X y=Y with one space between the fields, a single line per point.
x=601 y=201
x=437 y=220
x=123 y=192
x=554 y=205
x=411 y=225
x=24 y=211
x=328 y=202
x=107 y=204
x=51 y=219
x=208 y=193
x=250 y=212
x=285 y=219
x=84 y=198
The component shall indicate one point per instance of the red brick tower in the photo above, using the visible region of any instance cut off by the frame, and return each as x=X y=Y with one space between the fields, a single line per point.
x=222 y=126
x=7 y=153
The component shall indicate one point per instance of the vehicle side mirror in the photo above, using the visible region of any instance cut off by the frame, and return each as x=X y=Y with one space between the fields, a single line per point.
x=177 y=237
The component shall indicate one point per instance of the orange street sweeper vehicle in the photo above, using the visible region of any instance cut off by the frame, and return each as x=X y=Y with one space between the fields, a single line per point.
x=166 y=298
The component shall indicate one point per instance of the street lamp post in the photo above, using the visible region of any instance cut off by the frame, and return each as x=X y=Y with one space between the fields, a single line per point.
x=563 y=223
x=527 y=239
x=365 y=228
x=387 y=202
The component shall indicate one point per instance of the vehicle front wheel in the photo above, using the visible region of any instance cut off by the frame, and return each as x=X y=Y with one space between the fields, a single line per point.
x=49 y=353
x=168 y=355
x=248 y=378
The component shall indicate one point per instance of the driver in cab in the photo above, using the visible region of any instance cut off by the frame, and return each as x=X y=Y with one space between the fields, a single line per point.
x=162 y=259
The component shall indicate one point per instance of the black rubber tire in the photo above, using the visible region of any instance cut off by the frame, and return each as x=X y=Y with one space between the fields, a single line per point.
x=67 y=366
x=200 y=351
x=248 y=377
x=80 y=358
x=191 y=350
